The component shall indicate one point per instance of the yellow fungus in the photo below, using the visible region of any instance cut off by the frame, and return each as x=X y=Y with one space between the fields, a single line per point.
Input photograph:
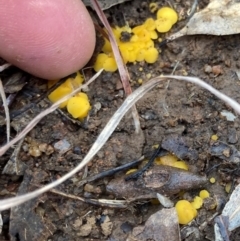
x=107 y=48
x=197 y=202
x=204 y=194
x=166 y=17
x=185 y=211
x=212 y=180
x=149 y=24
x=153 y=7
x=151 y=55
x=167 y=13
x=228 y=187
x=64 y=89
x=214 y=137
x=140 y=47
x=168 y=160
x=140 y=81
x=181 y=165
x=79 y=106
x=101 y=58
x=140 y=55
x=110 y=64
x=106 y=62
x=163 y=25
x=131 y=171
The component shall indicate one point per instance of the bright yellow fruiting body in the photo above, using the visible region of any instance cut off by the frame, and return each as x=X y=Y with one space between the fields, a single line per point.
x=151 y=55
x=153 y=7
x=64 y=89
x=185 y=211
x=140 y=47
x=212 y=180
x=181 y=165
x=131 y=171
x=214 y=137
x=197 y=202
x=106 y=62
x=171 y=160
x=79 y=106
x=166 y=18
x=163 y=25
x=167 y=13
x=204 y=194
x=228 y=187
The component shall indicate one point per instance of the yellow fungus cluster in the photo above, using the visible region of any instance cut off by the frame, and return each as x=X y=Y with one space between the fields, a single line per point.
x=187 y=211
x=78 y=106
x=171 y=160
x=140 y=47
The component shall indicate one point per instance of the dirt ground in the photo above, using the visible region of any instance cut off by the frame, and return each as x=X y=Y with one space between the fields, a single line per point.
x=182 y=111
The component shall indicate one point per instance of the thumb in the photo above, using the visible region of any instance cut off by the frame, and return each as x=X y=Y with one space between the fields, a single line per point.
x=49 y=39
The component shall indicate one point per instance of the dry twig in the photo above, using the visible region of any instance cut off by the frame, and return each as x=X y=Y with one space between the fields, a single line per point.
x=2 y=93
x=122 y=68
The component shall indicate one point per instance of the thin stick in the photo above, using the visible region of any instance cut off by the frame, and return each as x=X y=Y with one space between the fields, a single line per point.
x=2 y=93
x=34 y=122
x=122 y=68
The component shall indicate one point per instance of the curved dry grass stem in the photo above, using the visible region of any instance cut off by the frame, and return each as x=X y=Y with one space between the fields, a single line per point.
x=110 y=127
x=2 y=93
x=34 y=122
x=122 y=68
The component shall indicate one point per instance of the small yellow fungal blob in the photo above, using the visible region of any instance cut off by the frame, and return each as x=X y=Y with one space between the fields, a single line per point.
x=131 y=171
x=214 y=137
x=106 y=62
x=171 y=160
x=181 y=165
x=163 y=25
x=140 y=81
x=197 y=202
x=107 y=48
x=79 y=106
x=151 y=55
x=228 y=187
x=148 y=75
x=167 y=160
x=155 y=146
x=204 y=194
x=185 y=211
x=166 y=17
x=212 y=180
x=101 y=58
x=64 y=89
x=110 y=64
x=153 y=7
x=140 y=69
x=167 y=13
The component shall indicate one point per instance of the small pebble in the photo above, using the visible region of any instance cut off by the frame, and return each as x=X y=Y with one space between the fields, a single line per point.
x=207 y=69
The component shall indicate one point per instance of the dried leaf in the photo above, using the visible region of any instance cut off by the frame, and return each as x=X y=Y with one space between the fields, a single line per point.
x=220 y=17
x=232 y=209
